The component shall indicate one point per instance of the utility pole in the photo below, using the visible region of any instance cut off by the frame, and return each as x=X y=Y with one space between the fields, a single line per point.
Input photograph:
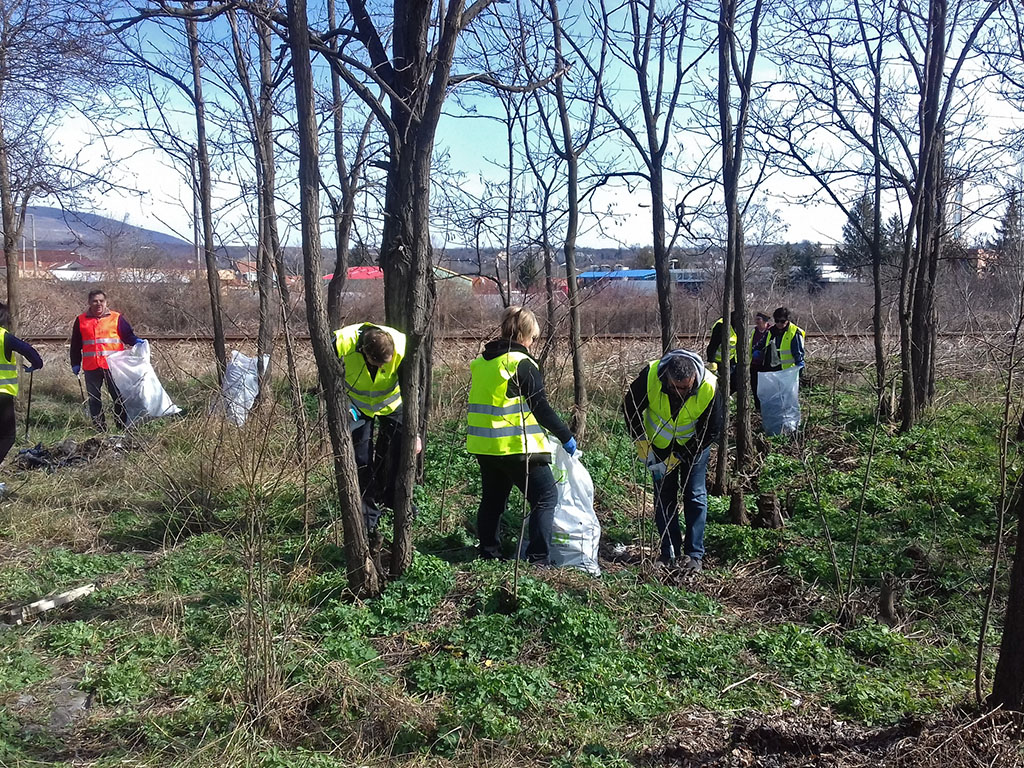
x=35 y=253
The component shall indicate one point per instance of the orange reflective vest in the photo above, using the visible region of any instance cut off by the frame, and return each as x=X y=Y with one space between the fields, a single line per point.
x=99 y=339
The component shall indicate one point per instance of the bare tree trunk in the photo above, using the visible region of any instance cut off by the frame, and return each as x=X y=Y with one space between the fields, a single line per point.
x=206 y=195
x=362 y=575
x=12 y=230
x=1008 y=685
x=579 y=387
x=662 y=273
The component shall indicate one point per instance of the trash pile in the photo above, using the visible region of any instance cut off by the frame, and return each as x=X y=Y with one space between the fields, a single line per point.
x=69 y=453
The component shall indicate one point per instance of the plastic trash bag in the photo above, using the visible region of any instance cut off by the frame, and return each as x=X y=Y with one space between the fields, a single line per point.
x=575 y=532
x=779 y=392
x=241 y=385
x=141 y=391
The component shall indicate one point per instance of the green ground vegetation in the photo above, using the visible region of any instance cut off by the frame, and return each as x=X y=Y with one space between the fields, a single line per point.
x=222 y=632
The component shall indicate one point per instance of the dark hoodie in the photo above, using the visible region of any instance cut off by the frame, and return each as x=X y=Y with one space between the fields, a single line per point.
x=528 y=382
x=709 y=425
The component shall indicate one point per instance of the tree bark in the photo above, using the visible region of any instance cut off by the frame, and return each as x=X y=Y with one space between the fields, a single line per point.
x=1008 y=685
x=569 y=153
x=12 y=230
x=206 y=195
x=362 y=575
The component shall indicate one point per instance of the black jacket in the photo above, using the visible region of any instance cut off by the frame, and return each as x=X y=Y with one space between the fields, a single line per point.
x=528 y=382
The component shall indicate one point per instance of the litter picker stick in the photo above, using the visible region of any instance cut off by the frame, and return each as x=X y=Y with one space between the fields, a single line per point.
x=81 y=391
x=28 y=411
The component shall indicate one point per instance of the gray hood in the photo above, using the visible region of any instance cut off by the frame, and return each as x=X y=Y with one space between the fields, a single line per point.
x=697 y=361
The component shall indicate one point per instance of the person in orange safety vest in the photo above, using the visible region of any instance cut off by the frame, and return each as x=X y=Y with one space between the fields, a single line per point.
x=96 y=333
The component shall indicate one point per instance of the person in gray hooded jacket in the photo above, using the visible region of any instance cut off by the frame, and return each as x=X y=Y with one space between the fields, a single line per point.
x=674 y=417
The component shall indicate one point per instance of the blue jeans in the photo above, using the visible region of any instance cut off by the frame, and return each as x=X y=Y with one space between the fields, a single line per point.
x=695 y=508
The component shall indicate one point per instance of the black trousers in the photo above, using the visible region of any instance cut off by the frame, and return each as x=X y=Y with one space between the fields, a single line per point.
x=94 y=381
x=377 y=444
x=8 y=425
x=497 y=476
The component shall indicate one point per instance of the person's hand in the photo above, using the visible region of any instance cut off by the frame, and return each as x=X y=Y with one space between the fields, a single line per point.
x=570 y=446
x=30 y=368
x=713 y=367
x=658 y=471
x=139 y=340
x=419 y=444
x=76 y=369
x=643 y=450
x=353 y=413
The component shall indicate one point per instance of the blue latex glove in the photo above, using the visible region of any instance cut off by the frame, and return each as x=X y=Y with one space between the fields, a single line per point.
x=76 y=369
x=570 y=446
x=354 y=413
x=30 y=368
x=139 y=339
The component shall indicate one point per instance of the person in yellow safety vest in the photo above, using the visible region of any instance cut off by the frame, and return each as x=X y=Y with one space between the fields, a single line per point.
x=509 y=419
x=674 y=418
x=9 y=345
x=784 y=347
x=95 y=334
x=373 y=355
x=714 y=351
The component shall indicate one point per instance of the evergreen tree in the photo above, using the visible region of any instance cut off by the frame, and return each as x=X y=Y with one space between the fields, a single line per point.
x=854 y=255
x=1010 y=235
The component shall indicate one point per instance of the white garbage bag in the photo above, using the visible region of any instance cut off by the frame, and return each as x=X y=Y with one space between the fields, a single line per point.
x=779 y=393
x=141 y=391
x=241 y=385
x=576 y=532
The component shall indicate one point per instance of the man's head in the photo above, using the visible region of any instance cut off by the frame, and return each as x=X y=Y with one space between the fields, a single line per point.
x=678 y=375
x=377 y=346
x=781 y=316
x=762 y=321
x=97 y=302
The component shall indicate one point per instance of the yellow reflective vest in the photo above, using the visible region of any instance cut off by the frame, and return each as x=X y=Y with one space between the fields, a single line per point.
x=663 y=430
x=786 y=345
x=8 y=368
x=732 y=343
x=376 y=395
x=499 y=425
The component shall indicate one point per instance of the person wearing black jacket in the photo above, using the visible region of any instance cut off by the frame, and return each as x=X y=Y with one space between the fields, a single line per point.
x=509 y=418
x=674 y=417
x=9 y=380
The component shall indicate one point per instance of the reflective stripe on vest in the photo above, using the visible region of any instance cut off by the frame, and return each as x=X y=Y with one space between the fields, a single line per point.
x=99 y=339
x=732 y=343
x=786 y=346
x=662 y=430
x=378 y=395
x=498 y=425
x=8 y=370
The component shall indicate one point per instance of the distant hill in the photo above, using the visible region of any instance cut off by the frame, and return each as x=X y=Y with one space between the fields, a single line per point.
x=58 y=229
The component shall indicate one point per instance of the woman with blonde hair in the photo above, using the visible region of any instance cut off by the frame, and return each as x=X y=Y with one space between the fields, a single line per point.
x=509 y=421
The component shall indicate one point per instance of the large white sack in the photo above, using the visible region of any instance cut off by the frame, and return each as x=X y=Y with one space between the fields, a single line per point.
x=779 y=393
x=241 y=385
x=576 y=532
x=141 y=391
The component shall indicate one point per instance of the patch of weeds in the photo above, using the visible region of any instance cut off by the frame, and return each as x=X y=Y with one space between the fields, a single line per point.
x=486 y=636
x=121 y=682
x=801 y=656
x=66 y=567
x=485 y=697
x=593 y=756
x=413 y=597
x=18 y=584
x=77 y=638
x=205 y=565
x=210 y=676
x=340 y=630
x=297 y=758
x=19 y=666
x=735 y=543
